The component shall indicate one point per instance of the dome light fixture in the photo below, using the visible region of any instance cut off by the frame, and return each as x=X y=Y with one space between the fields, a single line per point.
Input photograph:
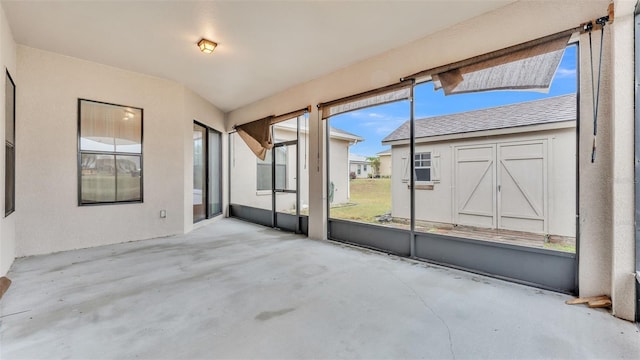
x=207 y=46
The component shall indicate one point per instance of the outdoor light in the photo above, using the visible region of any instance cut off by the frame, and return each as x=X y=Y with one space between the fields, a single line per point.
x=207 y=46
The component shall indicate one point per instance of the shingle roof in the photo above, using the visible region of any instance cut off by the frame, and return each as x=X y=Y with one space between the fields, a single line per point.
x=336 y=131
x=550 y=110
x=358 y=158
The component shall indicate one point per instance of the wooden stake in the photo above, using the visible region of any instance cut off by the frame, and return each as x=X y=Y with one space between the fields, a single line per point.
x=600 y=303
x=586 y=300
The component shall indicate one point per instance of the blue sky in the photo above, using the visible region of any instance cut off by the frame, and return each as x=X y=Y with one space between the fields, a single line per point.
x=374 y=123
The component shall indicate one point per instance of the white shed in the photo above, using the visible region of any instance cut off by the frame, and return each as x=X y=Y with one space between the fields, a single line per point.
x=509 y=167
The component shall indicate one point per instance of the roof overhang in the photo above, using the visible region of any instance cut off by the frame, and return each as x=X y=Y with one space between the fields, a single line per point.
x=486 y=133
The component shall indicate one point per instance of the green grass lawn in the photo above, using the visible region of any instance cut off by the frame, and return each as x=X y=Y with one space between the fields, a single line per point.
x=369 y=198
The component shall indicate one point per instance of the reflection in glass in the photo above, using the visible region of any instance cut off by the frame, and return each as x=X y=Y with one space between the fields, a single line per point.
x=129 y=172
x=199 y=173
x=110 y=152
x=9 y=146
x=105 y=127
x=215 y=176
x=98 y=176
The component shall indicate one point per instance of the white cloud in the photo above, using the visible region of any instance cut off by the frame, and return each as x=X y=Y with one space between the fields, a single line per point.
x=564 y=72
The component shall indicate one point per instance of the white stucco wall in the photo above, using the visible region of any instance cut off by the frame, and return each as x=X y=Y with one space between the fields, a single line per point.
x=623 y=224
x=595 y=178
x=7 y=224
x=513 y=24
x=47 y=127
x=437 y=205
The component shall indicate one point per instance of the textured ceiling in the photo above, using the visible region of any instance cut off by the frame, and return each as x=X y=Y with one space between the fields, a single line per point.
x=264 y=46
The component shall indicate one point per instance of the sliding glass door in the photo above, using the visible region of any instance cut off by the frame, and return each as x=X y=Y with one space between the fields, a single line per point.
x=207 y=172
x=215 y=172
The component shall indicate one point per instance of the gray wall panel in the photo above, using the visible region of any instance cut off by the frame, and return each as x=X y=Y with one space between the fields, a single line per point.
x=254 y=215
x=389 y=240
x=285 y=222
x=545 y=268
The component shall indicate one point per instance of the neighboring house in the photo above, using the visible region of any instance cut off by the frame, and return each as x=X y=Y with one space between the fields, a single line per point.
x=360 y=166
x=385 y=163
x=476 y=168
x=252 y=176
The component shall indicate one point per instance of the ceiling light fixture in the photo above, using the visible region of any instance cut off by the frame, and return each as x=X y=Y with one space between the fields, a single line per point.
x=207 y=46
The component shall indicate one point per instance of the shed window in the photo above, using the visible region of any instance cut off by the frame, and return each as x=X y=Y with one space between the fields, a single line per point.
x=423 y=166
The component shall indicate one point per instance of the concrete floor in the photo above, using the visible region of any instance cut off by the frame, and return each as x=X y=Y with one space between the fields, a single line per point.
x=238 y=290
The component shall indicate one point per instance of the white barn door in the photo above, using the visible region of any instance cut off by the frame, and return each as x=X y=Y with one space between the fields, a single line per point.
x=475 y=186
x=502 y=186
x=522 y=186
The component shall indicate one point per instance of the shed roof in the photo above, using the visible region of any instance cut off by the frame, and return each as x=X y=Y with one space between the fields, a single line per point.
x=358 y=158
x=545 y=111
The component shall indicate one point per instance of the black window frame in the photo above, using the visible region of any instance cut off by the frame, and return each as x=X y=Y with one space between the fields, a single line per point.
x=205 y=150
x=10 y=208
x=114 y=153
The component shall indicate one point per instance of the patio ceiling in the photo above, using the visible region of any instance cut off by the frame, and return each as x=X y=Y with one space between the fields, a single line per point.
x=264 y=47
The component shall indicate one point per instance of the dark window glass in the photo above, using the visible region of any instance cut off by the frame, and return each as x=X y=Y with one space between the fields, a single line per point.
x=9 y=146
x=423 y=166
x=423 y=174
x=199 y=173
x=207 y=172
x=215 y=172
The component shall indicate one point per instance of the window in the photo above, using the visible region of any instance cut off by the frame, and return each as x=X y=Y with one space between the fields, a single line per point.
x=110 y=153
x=264 y=169
x=359 y=169
x=9 y=146
x=423 y=166
x=207 y=172
x=365 y=167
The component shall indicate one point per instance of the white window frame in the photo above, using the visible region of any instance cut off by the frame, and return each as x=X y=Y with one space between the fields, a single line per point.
x=420 y=163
